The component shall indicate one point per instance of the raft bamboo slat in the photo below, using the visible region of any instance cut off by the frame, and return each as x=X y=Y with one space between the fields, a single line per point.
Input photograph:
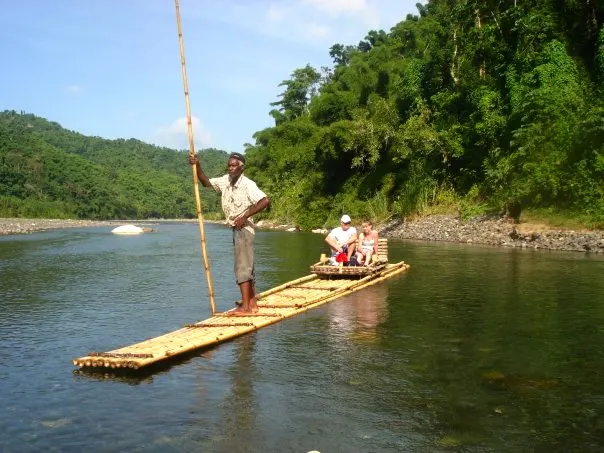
x=327 y=269
x=383 y=249
x=310 y=291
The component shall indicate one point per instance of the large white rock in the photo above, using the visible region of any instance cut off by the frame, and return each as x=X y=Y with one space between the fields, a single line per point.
x=127 y=229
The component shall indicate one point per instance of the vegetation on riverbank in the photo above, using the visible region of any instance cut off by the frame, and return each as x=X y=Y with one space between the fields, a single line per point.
x=479 y=107
x=467 y=108
x=47 y=171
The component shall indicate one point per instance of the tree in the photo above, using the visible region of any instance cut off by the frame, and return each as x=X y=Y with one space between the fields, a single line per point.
x=299 y=90
x=341 y=54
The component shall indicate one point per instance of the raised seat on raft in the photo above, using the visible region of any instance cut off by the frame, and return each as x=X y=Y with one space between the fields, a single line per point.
x=323 y=268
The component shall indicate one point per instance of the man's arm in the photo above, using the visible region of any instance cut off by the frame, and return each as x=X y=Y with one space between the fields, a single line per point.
x=249 y=212
x=331 y=241
x=203 y=179
x=352 y=239
x=360 y=240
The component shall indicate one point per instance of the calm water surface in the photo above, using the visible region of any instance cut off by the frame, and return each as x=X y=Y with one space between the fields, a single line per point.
x=473 y=350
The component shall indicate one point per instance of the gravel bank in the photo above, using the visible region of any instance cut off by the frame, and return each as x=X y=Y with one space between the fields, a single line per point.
x=497 y=232
x=26 y=226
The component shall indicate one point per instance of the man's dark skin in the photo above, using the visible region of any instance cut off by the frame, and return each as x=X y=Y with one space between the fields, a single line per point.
x=234 y=169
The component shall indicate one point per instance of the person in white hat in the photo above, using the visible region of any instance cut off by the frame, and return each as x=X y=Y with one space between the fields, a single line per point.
x=342 y=238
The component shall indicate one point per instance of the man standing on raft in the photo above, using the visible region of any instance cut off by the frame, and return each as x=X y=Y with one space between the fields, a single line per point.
x=241 y=199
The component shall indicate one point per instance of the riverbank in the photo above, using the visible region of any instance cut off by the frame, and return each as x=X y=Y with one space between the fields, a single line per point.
x=446 y=228
x=495 y=232
x=25 y=226
x=10 y=226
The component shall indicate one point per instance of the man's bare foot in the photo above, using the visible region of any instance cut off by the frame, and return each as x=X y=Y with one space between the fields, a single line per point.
x=239 y=311
x=253 y=305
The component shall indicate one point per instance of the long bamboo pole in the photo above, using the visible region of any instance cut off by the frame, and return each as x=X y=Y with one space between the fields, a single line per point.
x=202 y=235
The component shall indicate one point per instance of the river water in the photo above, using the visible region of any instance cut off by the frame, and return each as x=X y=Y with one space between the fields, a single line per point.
x=474 y=349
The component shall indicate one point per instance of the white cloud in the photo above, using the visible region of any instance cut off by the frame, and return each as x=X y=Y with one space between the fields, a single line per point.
x=337 y=7
x=343 y=21
x=74 y=89
x=176 y=134
x=275 y=14
x=324 y=22
x=316 y=31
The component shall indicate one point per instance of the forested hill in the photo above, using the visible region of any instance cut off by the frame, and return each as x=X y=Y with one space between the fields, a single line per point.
x=471 y=105
x=48 y=171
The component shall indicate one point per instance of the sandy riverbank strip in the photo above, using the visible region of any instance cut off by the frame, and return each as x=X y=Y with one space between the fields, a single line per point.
x=26 y=226
x=10 y=226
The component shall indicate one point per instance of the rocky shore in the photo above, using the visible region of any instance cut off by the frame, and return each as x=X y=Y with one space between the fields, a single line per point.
x=445 y=228
x=26 y=226
x=496 y=232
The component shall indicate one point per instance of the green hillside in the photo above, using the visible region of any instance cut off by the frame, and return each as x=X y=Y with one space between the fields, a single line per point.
x=48 y=171
x=467 y=107
x=470 y=106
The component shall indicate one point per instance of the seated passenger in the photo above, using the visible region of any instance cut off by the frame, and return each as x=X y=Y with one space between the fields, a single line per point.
x=342 y=239
x=368 y=244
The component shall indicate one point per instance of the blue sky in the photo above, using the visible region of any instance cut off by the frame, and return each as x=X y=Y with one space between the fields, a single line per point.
x=111 y=68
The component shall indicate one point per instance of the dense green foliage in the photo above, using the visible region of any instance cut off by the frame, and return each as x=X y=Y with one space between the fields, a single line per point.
x=479 y=105
x=48 y=171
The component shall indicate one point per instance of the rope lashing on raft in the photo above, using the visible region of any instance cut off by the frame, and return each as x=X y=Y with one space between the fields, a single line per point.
x=246 y=315
x=280 y=306
x=235 y=324
x=314 y=288
x=300 y=305
x=293 y=296
x=120 y=355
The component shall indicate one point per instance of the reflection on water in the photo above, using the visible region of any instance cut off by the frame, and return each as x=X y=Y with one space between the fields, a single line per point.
x=124 y=377
x=239 y=411
x=357 y=317
x=473 y=350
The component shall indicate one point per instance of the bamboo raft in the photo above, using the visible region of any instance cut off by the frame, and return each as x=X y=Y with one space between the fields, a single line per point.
x=274 y=305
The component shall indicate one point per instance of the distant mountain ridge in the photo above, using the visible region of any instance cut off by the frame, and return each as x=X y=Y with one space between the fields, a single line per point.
x=49 y=171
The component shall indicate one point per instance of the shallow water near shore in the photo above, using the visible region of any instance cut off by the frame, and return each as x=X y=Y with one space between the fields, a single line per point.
x=475 y=349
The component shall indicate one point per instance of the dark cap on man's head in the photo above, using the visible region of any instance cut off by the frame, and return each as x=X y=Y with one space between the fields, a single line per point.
x=240 y=157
